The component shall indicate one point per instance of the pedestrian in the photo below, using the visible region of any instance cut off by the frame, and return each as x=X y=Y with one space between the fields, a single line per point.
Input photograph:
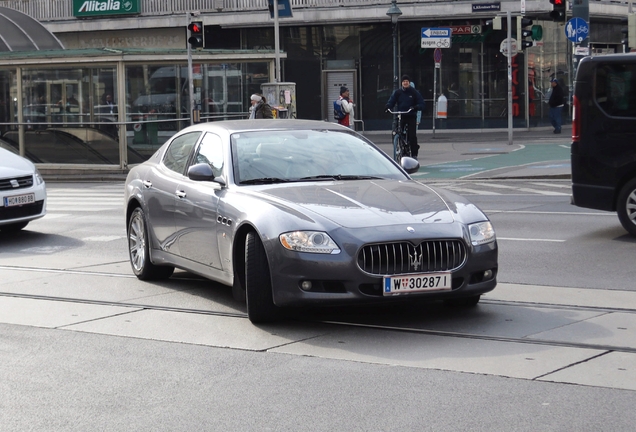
x=556 y=105
x=346 y=107
x=406 y=98
x=260 y=109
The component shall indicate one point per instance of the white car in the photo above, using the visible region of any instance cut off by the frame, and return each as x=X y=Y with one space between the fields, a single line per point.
x=22 y=192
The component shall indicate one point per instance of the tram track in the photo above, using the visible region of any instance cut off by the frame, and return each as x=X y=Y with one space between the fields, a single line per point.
x=338 y=322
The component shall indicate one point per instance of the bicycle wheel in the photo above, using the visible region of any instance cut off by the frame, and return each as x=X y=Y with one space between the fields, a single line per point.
x=397 y=148
x=401 y=149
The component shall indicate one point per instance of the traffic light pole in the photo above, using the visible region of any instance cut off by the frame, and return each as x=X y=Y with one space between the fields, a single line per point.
x=509 y=48
x=190 y=76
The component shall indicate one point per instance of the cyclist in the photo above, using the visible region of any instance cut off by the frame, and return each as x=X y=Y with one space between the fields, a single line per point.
x=406 y=98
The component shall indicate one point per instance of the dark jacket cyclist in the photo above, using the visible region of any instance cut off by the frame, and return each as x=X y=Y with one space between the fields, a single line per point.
x=406 y=98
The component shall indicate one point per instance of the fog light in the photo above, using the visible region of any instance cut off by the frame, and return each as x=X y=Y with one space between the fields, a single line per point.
x=305 y=285
x=488 y=274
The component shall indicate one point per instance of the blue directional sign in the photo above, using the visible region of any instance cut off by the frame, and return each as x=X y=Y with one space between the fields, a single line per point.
x=436 y=33
x=436 y=37
x=577 y=30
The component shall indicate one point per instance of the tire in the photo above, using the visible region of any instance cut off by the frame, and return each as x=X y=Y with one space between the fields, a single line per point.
x=139 y=250
x=13 y=228
x=258 y=283
x=401 y=149
x=463 y=302
x=397 y=151
x=626 y=207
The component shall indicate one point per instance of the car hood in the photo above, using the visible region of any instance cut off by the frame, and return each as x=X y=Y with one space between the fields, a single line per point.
x=13 y=165
x=358 y=204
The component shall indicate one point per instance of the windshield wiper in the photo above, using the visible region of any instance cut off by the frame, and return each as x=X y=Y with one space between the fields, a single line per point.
x=340 y=177
x=264 y=180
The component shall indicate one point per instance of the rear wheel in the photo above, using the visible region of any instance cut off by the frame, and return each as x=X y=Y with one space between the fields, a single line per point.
x=139 y=249
x=626 y=207
x=258 y=283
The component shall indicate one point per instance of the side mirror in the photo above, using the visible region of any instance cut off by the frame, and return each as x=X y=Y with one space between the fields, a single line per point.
x=203 y=172
x=410 y=165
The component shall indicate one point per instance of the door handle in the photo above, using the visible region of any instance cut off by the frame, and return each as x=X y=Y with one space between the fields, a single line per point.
x=147 y=184
x=180 y=194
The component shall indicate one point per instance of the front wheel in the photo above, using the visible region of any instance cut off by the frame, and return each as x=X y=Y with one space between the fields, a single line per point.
x=400 y=149
x=139 y=249
x=626 y=207
x=258 y=283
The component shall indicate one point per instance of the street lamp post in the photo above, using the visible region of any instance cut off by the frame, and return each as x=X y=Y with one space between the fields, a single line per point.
x=394 y=12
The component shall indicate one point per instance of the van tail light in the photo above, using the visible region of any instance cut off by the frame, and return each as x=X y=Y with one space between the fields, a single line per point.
x=576 y=119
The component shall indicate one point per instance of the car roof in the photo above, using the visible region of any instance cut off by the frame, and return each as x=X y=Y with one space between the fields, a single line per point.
x=233 y=126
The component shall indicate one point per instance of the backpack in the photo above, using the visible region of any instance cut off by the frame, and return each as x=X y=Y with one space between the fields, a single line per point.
x=338 y=114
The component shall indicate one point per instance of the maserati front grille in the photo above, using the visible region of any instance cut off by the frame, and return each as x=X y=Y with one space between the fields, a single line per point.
x=402 y=258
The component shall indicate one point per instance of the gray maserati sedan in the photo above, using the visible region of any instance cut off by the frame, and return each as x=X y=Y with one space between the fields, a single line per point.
x=293 y=213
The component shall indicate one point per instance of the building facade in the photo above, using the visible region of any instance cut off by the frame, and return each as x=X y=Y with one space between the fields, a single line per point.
x=324 y=44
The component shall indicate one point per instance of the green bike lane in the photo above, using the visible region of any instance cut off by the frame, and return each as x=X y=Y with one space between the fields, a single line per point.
x=529 y=160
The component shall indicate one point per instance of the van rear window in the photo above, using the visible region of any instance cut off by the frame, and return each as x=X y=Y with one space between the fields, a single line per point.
x=615 y=89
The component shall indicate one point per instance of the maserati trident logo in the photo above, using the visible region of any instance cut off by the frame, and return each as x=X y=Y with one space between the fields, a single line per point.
x=415 y=260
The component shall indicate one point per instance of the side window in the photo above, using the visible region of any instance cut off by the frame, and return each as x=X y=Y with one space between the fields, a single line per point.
x=211 y=152
x=177 y=155
x=615 y=89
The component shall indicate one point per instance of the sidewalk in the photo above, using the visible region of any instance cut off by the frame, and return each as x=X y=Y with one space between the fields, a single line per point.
x=446 y=153
x=484 y=154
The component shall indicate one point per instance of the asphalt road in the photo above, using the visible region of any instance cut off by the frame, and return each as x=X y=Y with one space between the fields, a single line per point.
x=84 y=345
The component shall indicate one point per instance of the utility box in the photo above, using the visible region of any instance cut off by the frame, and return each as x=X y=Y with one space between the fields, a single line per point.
x=282 y=98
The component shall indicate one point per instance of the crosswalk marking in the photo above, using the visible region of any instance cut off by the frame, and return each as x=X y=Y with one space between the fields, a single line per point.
x=522 y=189
x=93 y=199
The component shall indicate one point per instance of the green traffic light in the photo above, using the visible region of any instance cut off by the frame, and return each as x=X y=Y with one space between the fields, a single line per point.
x=537 y=32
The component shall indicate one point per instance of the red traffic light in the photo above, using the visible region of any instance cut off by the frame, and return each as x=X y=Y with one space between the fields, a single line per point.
x=197 y=27
x=558 y=2
x=196 y=35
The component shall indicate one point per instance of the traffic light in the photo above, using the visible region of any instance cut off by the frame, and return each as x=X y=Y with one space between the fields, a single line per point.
x=534 y=32
x=558 y=10
x=196 y=34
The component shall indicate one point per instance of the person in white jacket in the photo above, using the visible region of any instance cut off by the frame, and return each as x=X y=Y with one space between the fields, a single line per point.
x=347 y=108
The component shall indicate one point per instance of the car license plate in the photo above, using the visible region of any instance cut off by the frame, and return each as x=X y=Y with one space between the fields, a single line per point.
x=408 y=284
x=17 y=200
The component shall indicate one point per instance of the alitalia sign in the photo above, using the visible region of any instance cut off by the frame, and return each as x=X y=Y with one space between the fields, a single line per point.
x=86 y=8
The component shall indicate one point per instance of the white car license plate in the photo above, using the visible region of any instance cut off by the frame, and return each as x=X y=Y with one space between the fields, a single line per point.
x=408 y=284
x=17 y=200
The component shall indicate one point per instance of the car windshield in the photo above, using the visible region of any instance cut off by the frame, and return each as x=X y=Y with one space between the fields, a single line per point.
x=278 y=156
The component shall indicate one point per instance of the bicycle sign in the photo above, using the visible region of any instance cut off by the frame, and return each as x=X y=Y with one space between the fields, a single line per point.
x=436 y=37
x=577 y=30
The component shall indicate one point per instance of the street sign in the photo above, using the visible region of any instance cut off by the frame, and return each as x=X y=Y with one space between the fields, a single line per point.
x=436 y=43
x=503 y=48
x=436 y=32
x=437 y=55
x=577 y=30
x=436 y=37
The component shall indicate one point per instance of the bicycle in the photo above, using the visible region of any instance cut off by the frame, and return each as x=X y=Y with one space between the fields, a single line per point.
x=401 y=146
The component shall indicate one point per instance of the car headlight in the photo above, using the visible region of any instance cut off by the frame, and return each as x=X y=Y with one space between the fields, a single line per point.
x=481 y=233
x=309 y=241
x=38 y=177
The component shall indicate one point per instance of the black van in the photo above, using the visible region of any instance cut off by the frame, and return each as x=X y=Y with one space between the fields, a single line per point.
x=604 y=136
